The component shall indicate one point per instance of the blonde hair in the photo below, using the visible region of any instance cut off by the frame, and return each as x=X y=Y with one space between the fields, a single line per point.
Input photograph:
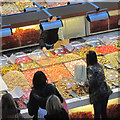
x=53 y=104
x=9 y=107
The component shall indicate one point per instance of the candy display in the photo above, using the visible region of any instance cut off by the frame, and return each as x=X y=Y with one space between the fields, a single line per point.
x=21 y=102
x=112 y=77
x=11 y=41
x=69 y=57
x=23 y=59
x=68 y=84
x=15 y=78
x=10 y=67
x=29 y=65
x=112 y=57
x=71 y=65
x=9 y=8
x=57 y=72
x=106 y=49
x=48 y=61
x=21 y=5
x=29 y=36
x=83 y=51
x=36 y=56
x=30 y=73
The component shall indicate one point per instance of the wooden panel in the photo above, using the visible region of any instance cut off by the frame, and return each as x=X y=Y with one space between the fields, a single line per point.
x=98 y=26
x=114 y=21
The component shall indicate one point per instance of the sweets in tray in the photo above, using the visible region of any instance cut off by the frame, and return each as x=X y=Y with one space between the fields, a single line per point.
x=66 y=85
x=57 y=72
x=110 y=59
x=30 y=73
x=29 y=65
x=10 y=67
x=56 y=60
x=15 y=78
x=21 y=5
x=71 y=65
x=83 y=51
x=106 y=49
x=9 y=8
x=112 y=77
x=23 y=59
x=48 y=61
x=36 y=56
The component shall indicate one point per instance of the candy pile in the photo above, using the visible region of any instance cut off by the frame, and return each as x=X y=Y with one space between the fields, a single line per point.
x=29 y=65
x=71 y=65
x=106 y=49
x=83 y=51
x=15 y=78
x=30 y=73
x=23 y=59
x=22 y=5
x=9 y=8
x=67 y=84
x=57 y=72
x=10 y=67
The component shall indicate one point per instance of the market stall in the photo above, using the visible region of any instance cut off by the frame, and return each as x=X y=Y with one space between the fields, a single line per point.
x=59 y=63
x=59 y=67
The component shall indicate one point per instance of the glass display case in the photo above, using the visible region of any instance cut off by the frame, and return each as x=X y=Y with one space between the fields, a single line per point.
x=22 y=36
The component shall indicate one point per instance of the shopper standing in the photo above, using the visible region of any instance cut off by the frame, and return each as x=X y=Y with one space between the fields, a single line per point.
x=48 y=38
x=99 y=91
x=40 y=92
x=9 y=108
x=55 y=110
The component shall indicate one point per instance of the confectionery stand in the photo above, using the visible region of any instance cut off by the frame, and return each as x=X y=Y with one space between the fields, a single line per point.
x=59 y=63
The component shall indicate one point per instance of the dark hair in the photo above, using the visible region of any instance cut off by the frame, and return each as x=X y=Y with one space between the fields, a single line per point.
x=39 y=79
x=9 y=107
x=91 y=58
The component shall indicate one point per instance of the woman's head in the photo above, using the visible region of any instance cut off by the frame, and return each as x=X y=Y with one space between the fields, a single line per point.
x=39 y=79
x=9 y=107
x=91 y=58
x=53 y=104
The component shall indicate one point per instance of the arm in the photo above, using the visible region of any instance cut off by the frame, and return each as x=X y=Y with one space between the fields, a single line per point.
x=56 y=92
x=32 y=105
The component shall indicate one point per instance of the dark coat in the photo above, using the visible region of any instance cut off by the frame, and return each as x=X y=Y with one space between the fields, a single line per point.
x=38 y=98
x=96 y=80
x=49 y=36
x=59 y=115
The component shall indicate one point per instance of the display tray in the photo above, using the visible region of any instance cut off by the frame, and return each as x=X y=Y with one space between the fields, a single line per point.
x=57 y=60
x=71 y=65
x=30 y=73
x=29 y=65
x=57 y=72
x=15 y=78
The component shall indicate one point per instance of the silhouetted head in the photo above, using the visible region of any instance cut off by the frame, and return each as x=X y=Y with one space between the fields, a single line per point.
x=39 y=79
x=91 y=58
x=9 y=107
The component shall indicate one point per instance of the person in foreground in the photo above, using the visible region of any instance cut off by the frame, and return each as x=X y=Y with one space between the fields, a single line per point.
x=40 y=92
x=99 y=91
x=55 y=110
x=9 y=108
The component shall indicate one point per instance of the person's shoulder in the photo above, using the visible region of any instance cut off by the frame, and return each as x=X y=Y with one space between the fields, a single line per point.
x=50 y=85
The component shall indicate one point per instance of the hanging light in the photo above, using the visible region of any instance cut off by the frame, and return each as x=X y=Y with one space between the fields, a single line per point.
x=5 y=32
x=97 y=16
x=51 y=25
x=31 y=9
x=74 y=2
